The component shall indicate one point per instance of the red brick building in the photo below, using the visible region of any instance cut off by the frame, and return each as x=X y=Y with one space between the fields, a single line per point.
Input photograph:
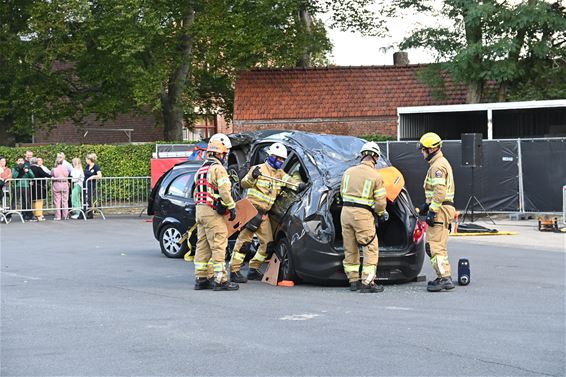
x=338 y=100
x=140 y=127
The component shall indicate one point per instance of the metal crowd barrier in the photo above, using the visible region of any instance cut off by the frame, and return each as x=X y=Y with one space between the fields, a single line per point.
x=30 y=197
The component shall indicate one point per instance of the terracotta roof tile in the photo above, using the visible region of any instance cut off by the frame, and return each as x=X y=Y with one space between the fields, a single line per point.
x=333 y=92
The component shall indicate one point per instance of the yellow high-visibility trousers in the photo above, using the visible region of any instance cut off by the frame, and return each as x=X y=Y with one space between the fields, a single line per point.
x=358 y=228
x=212 y=239
x=437 y=238
x=264 y=234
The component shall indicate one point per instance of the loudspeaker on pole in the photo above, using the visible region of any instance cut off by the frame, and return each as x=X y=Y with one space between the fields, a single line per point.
x=472 y=150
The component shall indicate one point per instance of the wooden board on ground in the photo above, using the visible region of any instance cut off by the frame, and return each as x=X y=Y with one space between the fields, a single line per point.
x=272 y=273
x=245 y=211
x=393 y=181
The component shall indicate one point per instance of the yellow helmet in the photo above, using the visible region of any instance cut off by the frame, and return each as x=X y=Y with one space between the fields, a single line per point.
x=430 y=140
x=216 y=146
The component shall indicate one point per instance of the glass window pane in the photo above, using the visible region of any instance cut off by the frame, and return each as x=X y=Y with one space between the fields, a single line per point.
x=181 y=186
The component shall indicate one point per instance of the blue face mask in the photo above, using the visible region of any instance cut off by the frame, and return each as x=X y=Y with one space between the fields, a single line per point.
x=274 y=162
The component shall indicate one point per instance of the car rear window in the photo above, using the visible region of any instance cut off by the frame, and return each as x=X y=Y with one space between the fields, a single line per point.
x=181 y=185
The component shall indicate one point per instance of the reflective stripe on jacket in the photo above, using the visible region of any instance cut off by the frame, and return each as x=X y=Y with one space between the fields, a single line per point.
x=362 y=185
x=263 y=191
x=439 y=182
x=212 y=184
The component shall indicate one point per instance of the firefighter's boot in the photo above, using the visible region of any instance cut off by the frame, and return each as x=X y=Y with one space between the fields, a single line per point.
x=203 y=283
x=433 y=282
x=226 y=286
x=237 y=277
x=440 y=284
x=254 y=274
x=355 y=286
x=371 y=288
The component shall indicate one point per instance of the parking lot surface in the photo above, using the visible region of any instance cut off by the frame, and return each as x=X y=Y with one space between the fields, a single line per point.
x=98 y=298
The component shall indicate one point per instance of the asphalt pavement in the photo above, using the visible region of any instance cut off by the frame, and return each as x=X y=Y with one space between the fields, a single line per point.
x=98 y=298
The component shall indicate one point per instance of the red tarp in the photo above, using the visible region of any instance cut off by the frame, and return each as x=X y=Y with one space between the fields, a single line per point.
x=161 y=165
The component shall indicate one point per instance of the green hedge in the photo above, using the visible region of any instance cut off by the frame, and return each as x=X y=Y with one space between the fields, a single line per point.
x=125 y=160
x=128 y=160
x=378 y=137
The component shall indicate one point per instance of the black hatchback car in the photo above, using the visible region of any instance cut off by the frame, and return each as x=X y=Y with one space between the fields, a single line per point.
x=307 y=230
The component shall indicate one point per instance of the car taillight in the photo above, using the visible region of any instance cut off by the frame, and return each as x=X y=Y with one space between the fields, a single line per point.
x=418 y=233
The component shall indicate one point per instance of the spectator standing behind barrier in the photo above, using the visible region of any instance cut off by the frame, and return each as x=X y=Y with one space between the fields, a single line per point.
x=5 y=175
x=69 y=167
x=27 y=158
x=39 y=189
x=42 y=166
x=92 y=173
x=78 y=176
x=60 y=190
x=22 y=197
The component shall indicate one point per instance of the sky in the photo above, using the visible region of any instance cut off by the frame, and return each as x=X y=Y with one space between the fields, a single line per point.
x=354 y=49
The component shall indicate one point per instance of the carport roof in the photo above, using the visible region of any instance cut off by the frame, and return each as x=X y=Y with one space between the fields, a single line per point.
x=334 y=92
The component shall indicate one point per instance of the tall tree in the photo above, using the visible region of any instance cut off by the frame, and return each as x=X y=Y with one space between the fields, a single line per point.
x=33 y=91
x=108 y=57
x=498 y=42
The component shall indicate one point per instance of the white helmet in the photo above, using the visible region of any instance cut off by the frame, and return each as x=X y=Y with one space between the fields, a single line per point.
x=371 y=148
x=222 y=138
x=277 y=149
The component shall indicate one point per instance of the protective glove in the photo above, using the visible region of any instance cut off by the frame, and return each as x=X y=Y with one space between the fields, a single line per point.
x=423 y=209
x=430 y=216
x=383 y=217
x=232 y=214
x=256 y=173
x=301 y=187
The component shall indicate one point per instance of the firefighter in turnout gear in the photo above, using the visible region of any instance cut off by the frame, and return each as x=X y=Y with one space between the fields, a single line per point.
x=262 y=192
x=213 y=200
x=363 y=195
x=438 y=208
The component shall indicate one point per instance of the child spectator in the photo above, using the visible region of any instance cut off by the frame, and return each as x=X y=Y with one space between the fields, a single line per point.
x=78 y=177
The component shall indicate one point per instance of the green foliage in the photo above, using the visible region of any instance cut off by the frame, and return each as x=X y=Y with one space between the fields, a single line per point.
x=377 y=137
x=74 y=58
x=517 y=46
x=128 y=160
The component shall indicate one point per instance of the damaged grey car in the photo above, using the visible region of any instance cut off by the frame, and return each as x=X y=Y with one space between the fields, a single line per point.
x=307 y=230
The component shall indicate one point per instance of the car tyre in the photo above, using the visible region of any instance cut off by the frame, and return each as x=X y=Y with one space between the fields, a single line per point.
x=286 y=267
x=168 y=237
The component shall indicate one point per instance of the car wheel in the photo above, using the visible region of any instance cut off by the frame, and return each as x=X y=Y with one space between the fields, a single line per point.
x=168 y=237
x=286 y=267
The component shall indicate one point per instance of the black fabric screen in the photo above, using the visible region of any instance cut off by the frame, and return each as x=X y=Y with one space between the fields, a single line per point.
x=544 y=174
x=496 y=184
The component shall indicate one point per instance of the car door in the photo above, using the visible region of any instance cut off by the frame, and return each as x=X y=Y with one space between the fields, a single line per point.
x=177 y=199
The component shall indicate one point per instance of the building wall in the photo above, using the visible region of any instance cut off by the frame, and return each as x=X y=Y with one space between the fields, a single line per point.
x=386 y=125
x=144 y=128
x=143 y=125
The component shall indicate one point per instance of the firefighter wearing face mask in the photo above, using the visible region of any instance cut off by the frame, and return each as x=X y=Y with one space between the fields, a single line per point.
x=213 y=200
x=363 y=195
x=264 y=182
x=438 y=208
